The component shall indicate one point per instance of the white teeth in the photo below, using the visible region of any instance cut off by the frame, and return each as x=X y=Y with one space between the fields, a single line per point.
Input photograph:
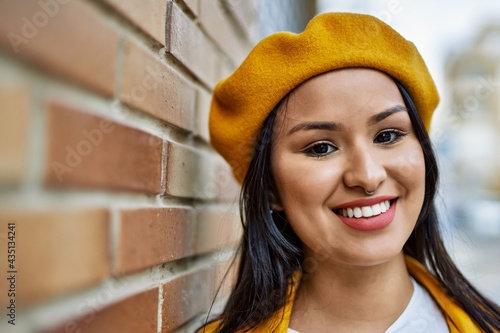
x=366 y=211
x=357 y=212
x=383 y=207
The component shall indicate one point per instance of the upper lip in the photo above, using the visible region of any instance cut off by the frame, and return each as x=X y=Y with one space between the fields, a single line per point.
x=365 y=202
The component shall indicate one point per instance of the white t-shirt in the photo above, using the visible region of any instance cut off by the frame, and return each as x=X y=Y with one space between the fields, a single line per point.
x=421 y=315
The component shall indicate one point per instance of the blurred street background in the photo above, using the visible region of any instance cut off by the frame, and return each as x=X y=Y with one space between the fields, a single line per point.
x=460 y=42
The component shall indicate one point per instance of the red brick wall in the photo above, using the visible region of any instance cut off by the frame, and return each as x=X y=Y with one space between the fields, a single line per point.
x=123 y=214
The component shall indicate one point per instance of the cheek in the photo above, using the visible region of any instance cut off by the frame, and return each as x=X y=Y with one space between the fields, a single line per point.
x=304 y=181
x=408 y=169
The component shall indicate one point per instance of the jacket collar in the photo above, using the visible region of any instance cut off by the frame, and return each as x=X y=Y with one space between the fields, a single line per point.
x=457 y=319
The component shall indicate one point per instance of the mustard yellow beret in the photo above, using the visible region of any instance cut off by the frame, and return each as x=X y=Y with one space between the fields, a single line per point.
x=282 y=61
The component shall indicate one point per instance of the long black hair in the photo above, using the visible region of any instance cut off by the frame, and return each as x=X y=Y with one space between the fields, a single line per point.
x=270 y=251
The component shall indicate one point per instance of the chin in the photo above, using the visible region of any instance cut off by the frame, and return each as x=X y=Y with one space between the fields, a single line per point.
x=377 y=257
x=368 y=252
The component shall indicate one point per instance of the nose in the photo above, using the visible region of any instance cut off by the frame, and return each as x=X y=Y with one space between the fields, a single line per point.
x=365 y=170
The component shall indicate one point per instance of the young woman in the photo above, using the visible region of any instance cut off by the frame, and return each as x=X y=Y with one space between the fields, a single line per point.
x=340 y=227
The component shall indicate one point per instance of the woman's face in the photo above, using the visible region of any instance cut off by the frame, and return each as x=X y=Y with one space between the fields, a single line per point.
x=343 y=132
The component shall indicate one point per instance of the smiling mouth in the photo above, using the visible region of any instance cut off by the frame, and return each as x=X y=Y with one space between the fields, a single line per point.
x=365 y=211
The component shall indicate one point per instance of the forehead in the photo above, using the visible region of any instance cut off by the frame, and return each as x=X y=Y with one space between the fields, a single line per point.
x=344 y=93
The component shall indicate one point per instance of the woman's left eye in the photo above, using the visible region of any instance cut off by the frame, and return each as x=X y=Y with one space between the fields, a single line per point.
x=389 y=136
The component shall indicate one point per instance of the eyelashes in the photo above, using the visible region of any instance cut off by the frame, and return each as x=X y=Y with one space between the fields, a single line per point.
x=324 y=148
x=320 y=149
x=390 y=136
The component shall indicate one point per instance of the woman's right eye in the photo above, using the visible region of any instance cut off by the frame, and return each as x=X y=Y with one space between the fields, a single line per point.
x=320 y=149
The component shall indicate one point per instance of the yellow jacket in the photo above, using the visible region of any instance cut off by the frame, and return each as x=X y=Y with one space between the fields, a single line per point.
x=458 y=321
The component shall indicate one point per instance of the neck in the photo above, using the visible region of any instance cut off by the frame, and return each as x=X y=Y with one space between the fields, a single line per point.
x=352 y=299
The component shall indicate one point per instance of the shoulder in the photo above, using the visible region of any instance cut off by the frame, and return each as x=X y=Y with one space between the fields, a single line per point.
x=457 y=318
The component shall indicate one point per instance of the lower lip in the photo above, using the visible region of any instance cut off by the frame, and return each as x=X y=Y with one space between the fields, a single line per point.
x=371 y=223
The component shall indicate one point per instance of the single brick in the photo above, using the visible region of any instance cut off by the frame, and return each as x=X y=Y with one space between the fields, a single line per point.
x=191 y=173
x=138 y=313
x=218 y=26
x=56 y=252
x=14 y=109
x=181 y=171
x=88 y=151
x=70 y=38
x=185 y=41
x=216 y=229
x=203 y=100
x=148 y=15
x=178 y=296
x=151 y=236
x=153 y=87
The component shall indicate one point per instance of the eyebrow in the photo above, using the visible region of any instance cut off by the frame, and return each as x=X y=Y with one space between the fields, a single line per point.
x=316 y=125
x=332 y=126
x=384 y=114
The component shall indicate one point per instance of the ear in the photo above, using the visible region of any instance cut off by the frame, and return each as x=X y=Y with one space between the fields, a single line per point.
x=275 y=202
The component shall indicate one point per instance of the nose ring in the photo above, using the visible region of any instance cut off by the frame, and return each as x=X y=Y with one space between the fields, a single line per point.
x=369 y=192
